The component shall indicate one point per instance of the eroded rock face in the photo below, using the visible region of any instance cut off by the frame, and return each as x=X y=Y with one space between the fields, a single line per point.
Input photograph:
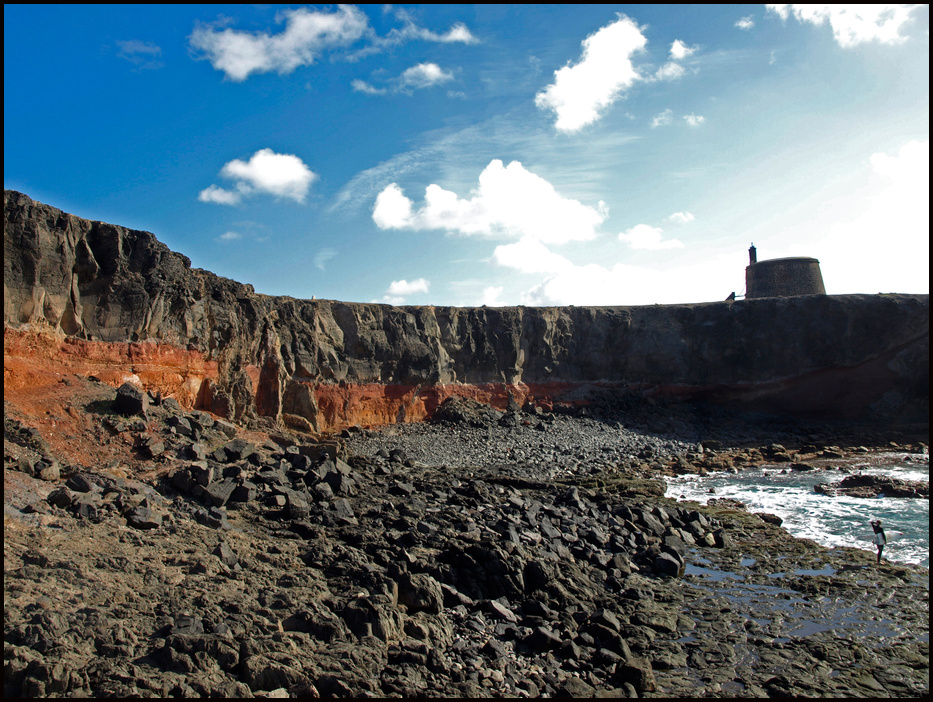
x=335 y=364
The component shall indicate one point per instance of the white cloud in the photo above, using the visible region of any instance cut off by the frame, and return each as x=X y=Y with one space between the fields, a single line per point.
x=142 y=54
x=911 y=166
x=646 y=237
x=490 y=296
x=307 y=34
x=582 y=91
x=230 y=236
x=530 y=256
x=404 y=287
x=681 y=217
x=423 y=75
x=663 y=119
x=282 y=175
x=322 y=257
x=669 y=71
x=853 y=24
x=392 y=209
x=458 y=32
x=361 y=86
x=219 y=196
x=694 y=120
x=510 y=202
x=745 y=22
x=400 y=290
x=418 y=77
x=680 y=51
x=883 y=242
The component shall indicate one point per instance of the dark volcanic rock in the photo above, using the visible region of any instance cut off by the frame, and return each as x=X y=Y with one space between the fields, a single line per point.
x=867 y=354
x=872 y=486
x=130 y=400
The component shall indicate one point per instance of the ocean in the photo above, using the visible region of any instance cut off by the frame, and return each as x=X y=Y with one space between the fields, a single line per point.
x=830 y=521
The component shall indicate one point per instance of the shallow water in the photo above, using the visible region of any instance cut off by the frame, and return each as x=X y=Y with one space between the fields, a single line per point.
x=830 y=521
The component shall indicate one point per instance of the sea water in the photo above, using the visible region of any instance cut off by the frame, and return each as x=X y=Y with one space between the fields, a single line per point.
x=830 y=521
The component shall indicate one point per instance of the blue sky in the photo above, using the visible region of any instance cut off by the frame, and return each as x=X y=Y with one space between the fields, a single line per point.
x=491 y=154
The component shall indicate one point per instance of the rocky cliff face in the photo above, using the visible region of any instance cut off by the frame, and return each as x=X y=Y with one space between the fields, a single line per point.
x=118 y=301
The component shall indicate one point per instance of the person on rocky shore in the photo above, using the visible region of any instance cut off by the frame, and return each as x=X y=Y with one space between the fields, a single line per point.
x=880 y=539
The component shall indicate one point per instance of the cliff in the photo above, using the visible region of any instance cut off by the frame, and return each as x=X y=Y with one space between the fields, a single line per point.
x=117 y=303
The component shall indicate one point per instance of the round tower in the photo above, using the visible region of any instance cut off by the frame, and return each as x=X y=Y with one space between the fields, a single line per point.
x=783 y=277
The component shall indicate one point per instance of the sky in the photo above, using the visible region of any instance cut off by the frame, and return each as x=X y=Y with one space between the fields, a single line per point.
x=485 y=155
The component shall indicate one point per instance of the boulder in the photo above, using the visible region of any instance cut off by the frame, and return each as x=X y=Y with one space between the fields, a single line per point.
x=130 y=401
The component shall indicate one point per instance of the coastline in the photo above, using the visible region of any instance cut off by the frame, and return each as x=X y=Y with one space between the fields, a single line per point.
x=503 y=554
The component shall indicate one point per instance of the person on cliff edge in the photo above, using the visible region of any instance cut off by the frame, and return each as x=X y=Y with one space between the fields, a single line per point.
x=879 y=539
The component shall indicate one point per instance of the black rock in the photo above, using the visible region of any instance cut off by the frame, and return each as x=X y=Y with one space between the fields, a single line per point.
x=130 y=401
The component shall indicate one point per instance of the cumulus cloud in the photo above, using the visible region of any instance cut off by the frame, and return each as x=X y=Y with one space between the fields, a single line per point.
x=529 y=255
x=282 y=175
x=490 y=296
x=646 y=237
x=306 y=35
x=400 y=290
x=680 y=51
x=911 y=166
x=510 y=202
x=392 y=210
x=663 y=119
x=581 y=92
x=219 y=196
x=853 y=24
x=681 y=217
x=745 y=22
x=423 y=75
x=404 y=287
x=694 y=120
x=142 y=54
x=418 y=77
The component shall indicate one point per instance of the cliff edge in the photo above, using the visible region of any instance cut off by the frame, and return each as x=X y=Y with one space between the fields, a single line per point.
x=117 y=303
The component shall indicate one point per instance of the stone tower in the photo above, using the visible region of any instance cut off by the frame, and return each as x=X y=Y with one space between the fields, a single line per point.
x=782 y=277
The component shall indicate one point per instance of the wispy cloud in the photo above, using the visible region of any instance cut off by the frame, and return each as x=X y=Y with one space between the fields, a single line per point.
x=230 y=236
x=282 y=175
x=322 y=257
x=361 y=86
x=142 y=54
x=581 y=92
x=663 y=119
x=745 y=22
x=694 y=120
x=853 y=24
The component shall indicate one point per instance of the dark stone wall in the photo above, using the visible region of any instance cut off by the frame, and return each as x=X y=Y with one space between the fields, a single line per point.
x=832 y=356
x=784 y=277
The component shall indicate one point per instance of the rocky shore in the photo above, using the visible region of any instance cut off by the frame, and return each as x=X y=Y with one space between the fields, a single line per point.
x=161 y=552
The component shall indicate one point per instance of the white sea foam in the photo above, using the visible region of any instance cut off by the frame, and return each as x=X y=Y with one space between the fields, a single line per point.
x=831 y=521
